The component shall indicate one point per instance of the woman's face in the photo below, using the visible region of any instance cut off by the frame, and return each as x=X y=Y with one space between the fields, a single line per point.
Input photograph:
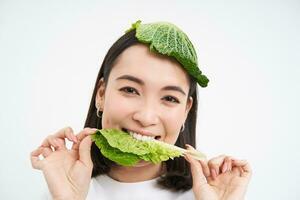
x=146 y=93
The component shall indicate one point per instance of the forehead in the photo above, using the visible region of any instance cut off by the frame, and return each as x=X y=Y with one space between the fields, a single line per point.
x=137 y=60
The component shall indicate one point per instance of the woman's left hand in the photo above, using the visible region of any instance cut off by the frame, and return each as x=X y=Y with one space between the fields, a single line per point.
x=221 y=178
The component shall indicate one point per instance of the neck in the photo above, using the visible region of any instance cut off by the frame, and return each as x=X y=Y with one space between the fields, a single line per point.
x=136 y=173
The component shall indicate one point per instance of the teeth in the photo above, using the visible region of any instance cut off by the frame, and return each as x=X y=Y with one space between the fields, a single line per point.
x=141 y=137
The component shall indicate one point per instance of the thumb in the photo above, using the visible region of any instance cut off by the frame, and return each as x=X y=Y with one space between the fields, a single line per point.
x=199 y=179
x=85 y=151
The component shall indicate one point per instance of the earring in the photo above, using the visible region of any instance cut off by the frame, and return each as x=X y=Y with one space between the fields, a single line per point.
x=98 y=113
x=182 y=128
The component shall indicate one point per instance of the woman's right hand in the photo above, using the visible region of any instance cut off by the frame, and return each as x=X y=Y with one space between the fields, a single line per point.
x=67 y=171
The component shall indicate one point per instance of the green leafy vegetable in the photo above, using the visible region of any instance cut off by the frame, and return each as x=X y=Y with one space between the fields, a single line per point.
x=114 y=154
x=123 y=149
x=167 y=39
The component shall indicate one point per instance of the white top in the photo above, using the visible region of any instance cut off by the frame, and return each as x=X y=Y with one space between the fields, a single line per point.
x=103 y=187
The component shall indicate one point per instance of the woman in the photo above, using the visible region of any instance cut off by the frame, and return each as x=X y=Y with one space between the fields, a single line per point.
x=153 y=94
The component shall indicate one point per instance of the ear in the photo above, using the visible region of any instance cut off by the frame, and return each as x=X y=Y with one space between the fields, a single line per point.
x=189 y=104
x=100 y=95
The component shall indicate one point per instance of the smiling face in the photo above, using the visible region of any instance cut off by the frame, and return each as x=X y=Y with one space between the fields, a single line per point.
x=146 y=93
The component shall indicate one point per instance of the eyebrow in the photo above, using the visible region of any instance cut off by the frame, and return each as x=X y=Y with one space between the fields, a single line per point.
x=141 y=82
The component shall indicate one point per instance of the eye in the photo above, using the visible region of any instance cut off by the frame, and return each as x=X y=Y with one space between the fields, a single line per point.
x=171 y=99
x=129 y=90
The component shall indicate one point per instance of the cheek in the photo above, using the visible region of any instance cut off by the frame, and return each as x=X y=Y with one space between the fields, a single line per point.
x=116 y=109
x=173 y=120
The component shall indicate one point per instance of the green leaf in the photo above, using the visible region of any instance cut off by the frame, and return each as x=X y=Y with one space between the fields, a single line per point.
x=123 y=149
x=123 y=141
x=134 y=26
x=167 y=39
x=114 y=154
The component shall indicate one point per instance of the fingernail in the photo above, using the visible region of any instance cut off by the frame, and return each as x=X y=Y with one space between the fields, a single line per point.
x=213 y=173
x=229 y=166
x=75 y=139
x=189 y=146
x=224 y=168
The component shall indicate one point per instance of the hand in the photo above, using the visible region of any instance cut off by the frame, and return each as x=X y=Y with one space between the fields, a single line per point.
x=221 y=178
x=67 y=171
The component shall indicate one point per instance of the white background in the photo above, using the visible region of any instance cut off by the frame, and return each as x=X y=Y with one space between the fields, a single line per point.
x=50 y=53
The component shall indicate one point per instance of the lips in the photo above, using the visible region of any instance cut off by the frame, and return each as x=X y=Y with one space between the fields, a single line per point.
x=141 y=135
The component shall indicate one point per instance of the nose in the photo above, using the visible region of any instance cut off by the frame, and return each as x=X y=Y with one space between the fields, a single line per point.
x=146 y=116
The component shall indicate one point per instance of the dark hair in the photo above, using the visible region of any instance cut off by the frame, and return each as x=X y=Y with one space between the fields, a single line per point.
x=178 y=174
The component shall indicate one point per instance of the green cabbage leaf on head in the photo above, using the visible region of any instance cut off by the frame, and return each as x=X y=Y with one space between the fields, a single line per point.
x=167 y=39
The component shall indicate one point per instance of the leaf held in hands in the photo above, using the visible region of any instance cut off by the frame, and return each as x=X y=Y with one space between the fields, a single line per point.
x=123 y=149
x=114 y=154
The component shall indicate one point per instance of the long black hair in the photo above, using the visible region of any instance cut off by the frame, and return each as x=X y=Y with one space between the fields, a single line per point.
x=178 y=174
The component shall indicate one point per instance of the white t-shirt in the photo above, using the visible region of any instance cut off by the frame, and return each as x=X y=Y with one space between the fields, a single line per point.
x=103 y=187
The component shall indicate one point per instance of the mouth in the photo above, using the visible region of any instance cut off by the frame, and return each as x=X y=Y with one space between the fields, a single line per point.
x=141 y=136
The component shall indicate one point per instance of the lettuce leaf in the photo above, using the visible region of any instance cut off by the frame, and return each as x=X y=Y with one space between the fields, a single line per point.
x=114 y=154
x=123 y=149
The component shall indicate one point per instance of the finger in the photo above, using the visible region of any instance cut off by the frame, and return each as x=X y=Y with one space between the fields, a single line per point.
x=57 y=140
x=85 y=132
x=230 y=165
x=46 y=152
x=203 y=163
x=191 y=149
x=199 y=178
x=68 y=133
x=61 y=142
x=85 y=152
x=236 y=171
x=243 y=163
x=215 y=164
x=34 y=158
x=244 y=166
x=80 y=136
x=225 y=166
x=205 y=168
x=51 y=141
